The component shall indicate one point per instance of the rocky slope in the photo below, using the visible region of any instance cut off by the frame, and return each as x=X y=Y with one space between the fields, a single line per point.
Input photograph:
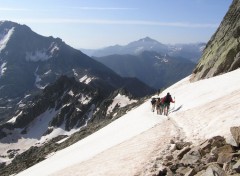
x=222 y=53
x=68 y=110
x=212 y=157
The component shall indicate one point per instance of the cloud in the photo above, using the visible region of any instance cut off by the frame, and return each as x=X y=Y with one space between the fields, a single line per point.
x=12 y=9
x=119 y=22
x=103 y=8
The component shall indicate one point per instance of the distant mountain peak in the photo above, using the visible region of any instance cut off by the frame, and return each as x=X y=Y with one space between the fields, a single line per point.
x=147 y=39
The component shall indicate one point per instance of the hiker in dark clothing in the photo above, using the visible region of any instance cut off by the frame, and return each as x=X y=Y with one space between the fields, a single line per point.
x=159 y=106
x=153 y=102
x=166 y=103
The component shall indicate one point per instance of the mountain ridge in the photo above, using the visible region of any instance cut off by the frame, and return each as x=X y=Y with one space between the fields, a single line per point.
x=152 y=68
x=190 y=51
x=29 y=62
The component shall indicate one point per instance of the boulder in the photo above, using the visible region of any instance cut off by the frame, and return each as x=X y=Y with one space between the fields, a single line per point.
x=191 y=158
x=224 y=158
x=191 y=172
x=235 y=131
x=236 y=166
x=183 y=152
x=224 y=149
x=213 y=170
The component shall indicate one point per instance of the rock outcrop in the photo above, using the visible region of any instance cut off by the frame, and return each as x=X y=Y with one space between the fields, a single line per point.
x=211 y=157
x=222 y=52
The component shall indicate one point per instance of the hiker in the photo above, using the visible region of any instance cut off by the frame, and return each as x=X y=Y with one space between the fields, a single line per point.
x=166 y=103
x=153 y=102
x=159 y=106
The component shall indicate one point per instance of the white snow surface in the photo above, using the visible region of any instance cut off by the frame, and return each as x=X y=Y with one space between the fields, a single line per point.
x=15 y=140
x=4 y=38
x=13 y=119
x=162 y=59
x=203 y=109
x=84 y=99
x=3 y=68
x=121 y=101
x=85 y=79
x=38 y=80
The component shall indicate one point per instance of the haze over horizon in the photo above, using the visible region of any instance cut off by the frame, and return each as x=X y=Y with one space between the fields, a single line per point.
x=94 y=24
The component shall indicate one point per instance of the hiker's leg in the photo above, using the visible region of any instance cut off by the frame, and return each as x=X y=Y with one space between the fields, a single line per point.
x=161 y=109
x=158 y=109
x=168 y=106
x=165 y=109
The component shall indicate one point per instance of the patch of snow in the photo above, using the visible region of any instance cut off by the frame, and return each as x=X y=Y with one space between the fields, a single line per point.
x=49 y=71
x=66 y=105
x=71 y=93
x=79 y=110
x=85 y=79
x=21 y=105
x=15 y=140
x=162 y=59
x=13 y=119
x=84 y=99
x=121 y=101
x=90 y=115
x=62 y=140
x=75 y=73
x=60 y=131
x=38 y=80
x=96 y=110
x=4 y=38
x=27 y=95
x=53 y=48
x=3 y=68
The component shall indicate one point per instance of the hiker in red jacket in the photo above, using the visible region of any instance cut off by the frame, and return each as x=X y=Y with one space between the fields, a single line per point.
x=166 y=103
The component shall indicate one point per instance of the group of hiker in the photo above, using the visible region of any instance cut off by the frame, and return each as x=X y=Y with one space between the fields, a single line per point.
x=162 y=104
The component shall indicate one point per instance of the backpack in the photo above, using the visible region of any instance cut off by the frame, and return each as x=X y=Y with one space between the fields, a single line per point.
x=167 y=99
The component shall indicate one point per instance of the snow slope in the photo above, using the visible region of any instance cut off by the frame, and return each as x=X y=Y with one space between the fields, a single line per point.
x=203 y=109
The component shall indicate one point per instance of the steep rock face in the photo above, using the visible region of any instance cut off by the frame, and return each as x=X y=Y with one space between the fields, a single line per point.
x=222 y=53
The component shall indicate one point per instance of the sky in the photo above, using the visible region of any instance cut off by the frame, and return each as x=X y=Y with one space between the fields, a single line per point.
x=202 y=110
x=92 y=24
